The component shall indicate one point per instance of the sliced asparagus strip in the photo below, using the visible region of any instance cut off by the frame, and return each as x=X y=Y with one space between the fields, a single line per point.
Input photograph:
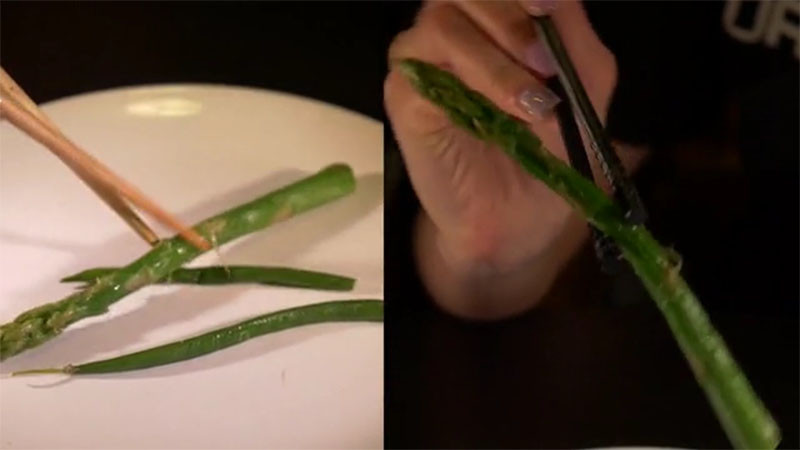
x=361 y=310
x=216 y=275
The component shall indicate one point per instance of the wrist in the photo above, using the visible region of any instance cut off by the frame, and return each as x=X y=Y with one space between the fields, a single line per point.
x=475 y=287
x=461 y=252
x=487 y=245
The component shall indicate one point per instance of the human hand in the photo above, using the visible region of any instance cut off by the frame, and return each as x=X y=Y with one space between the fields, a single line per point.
x=481 y=211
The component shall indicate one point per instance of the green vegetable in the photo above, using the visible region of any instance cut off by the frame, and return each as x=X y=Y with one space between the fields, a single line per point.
x=275 y=276
x=746 y=421
x=45 y=322
x=335 y=311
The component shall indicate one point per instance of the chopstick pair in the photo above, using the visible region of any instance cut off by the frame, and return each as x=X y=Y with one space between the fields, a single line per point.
x=22 y=112
x=567 y=84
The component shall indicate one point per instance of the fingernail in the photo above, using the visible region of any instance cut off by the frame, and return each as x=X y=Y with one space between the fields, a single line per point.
x=538 y=101
x=538 y=58
x=539 y=7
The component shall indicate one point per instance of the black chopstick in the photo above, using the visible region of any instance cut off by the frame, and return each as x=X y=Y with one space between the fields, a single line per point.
x=606 y=250
x=625 y=192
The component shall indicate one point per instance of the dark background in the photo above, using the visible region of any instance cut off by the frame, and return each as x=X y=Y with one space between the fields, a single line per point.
x=329 y=51
x=596 y=365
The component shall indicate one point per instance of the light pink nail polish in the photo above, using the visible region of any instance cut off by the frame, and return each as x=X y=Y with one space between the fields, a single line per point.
x=538 y=101
x=539 y=7
x=538 y=58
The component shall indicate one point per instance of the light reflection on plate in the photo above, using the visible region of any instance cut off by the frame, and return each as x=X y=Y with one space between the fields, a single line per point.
x=164 y=107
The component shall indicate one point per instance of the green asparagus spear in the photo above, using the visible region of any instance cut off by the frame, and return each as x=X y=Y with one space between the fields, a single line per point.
x=45 y=322
x=746 y=421
x=215 y=275
x=362 y=310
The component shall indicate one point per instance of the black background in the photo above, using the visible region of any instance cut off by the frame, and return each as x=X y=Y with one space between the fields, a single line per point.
x=329 y=51
x=599 y=368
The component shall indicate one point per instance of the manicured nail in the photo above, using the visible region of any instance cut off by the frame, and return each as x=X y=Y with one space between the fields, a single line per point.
x=538 y=101
x=539 y=7
x=538 y=58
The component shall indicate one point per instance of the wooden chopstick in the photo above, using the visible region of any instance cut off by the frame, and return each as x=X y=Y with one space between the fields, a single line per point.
x=11 y=91
x=68 y=151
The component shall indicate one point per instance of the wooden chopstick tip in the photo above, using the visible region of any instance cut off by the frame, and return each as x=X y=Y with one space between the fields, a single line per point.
x=195 y=239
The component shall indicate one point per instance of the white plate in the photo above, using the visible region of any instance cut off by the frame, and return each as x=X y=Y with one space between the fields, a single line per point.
x=198 y=150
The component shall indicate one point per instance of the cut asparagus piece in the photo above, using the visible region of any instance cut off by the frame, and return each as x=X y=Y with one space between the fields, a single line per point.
x=216 y=275
x=45 y=322
x=744 y=417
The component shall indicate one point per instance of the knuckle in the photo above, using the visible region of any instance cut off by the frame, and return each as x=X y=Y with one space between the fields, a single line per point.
x=501 y=72
x=391 y=92
x=389 y=84
x=440 y=20
x=404 y=104
x=398 y=45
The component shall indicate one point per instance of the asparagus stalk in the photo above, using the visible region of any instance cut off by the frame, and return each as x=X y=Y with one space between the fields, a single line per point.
x=361 y=310
x=743 y=416
x=45 y=322
x=215 y=275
